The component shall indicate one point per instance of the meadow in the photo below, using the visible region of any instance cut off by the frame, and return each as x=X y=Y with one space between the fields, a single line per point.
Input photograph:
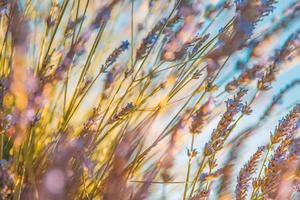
x=149 y=99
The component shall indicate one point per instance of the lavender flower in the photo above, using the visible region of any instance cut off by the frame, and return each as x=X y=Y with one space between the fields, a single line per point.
x=114 y=55
x=245 y=174
x=200 y=116
x=248 y=13
x=149 y=40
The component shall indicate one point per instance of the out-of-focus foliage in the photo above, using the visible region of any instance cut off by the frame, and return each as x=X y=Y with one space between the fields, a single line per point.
x=149 y=99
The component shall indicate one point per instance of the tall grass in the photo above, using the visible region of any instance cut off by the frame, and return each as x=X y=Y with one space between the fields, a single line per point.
x=154 y=99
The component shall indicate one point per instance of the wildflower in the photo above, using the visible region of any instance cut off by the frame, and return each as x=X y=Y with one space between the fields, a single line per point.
x=101 y=19
x=233 y=106
x=272 y=177
x=202 y=195
x=103 y=15
x=253 y=11
x=149 y=40
x=288 y=177
x=292 y=44
x=123 y=113
x=277 y=99
x=245 y=174
x=110 y=77
x=237 y=144
x=114 y=55
x=198 y=43
x=173 y=25
x=125 y=45
x=151 y=3
x=88 y=125
x=222 y=131
x=211 y=176
x=248 y=13
x=192 y=153
x=286 y=126
x=176 y=48
x=36 y=119
x=212 y=9
x=6 y=179
x=232 y=85
x=197 y=74
x=221 y=30
x=246 y=109
x=45 y=94
x=19 y=26
x=72 y=25
x=208 y=149
x=86 y=83
x=50 y=21
x=200 y=116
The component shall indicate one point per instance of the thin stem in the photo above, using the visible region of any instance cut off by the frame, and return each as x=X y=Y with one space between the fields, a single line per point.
x=189 y=168
x=261 y=170
x=62 y=12
x=131 y=34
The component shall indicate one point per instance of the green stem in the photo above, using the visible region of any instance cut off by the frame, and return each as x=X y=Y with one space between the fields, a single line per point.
x=189 y=168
